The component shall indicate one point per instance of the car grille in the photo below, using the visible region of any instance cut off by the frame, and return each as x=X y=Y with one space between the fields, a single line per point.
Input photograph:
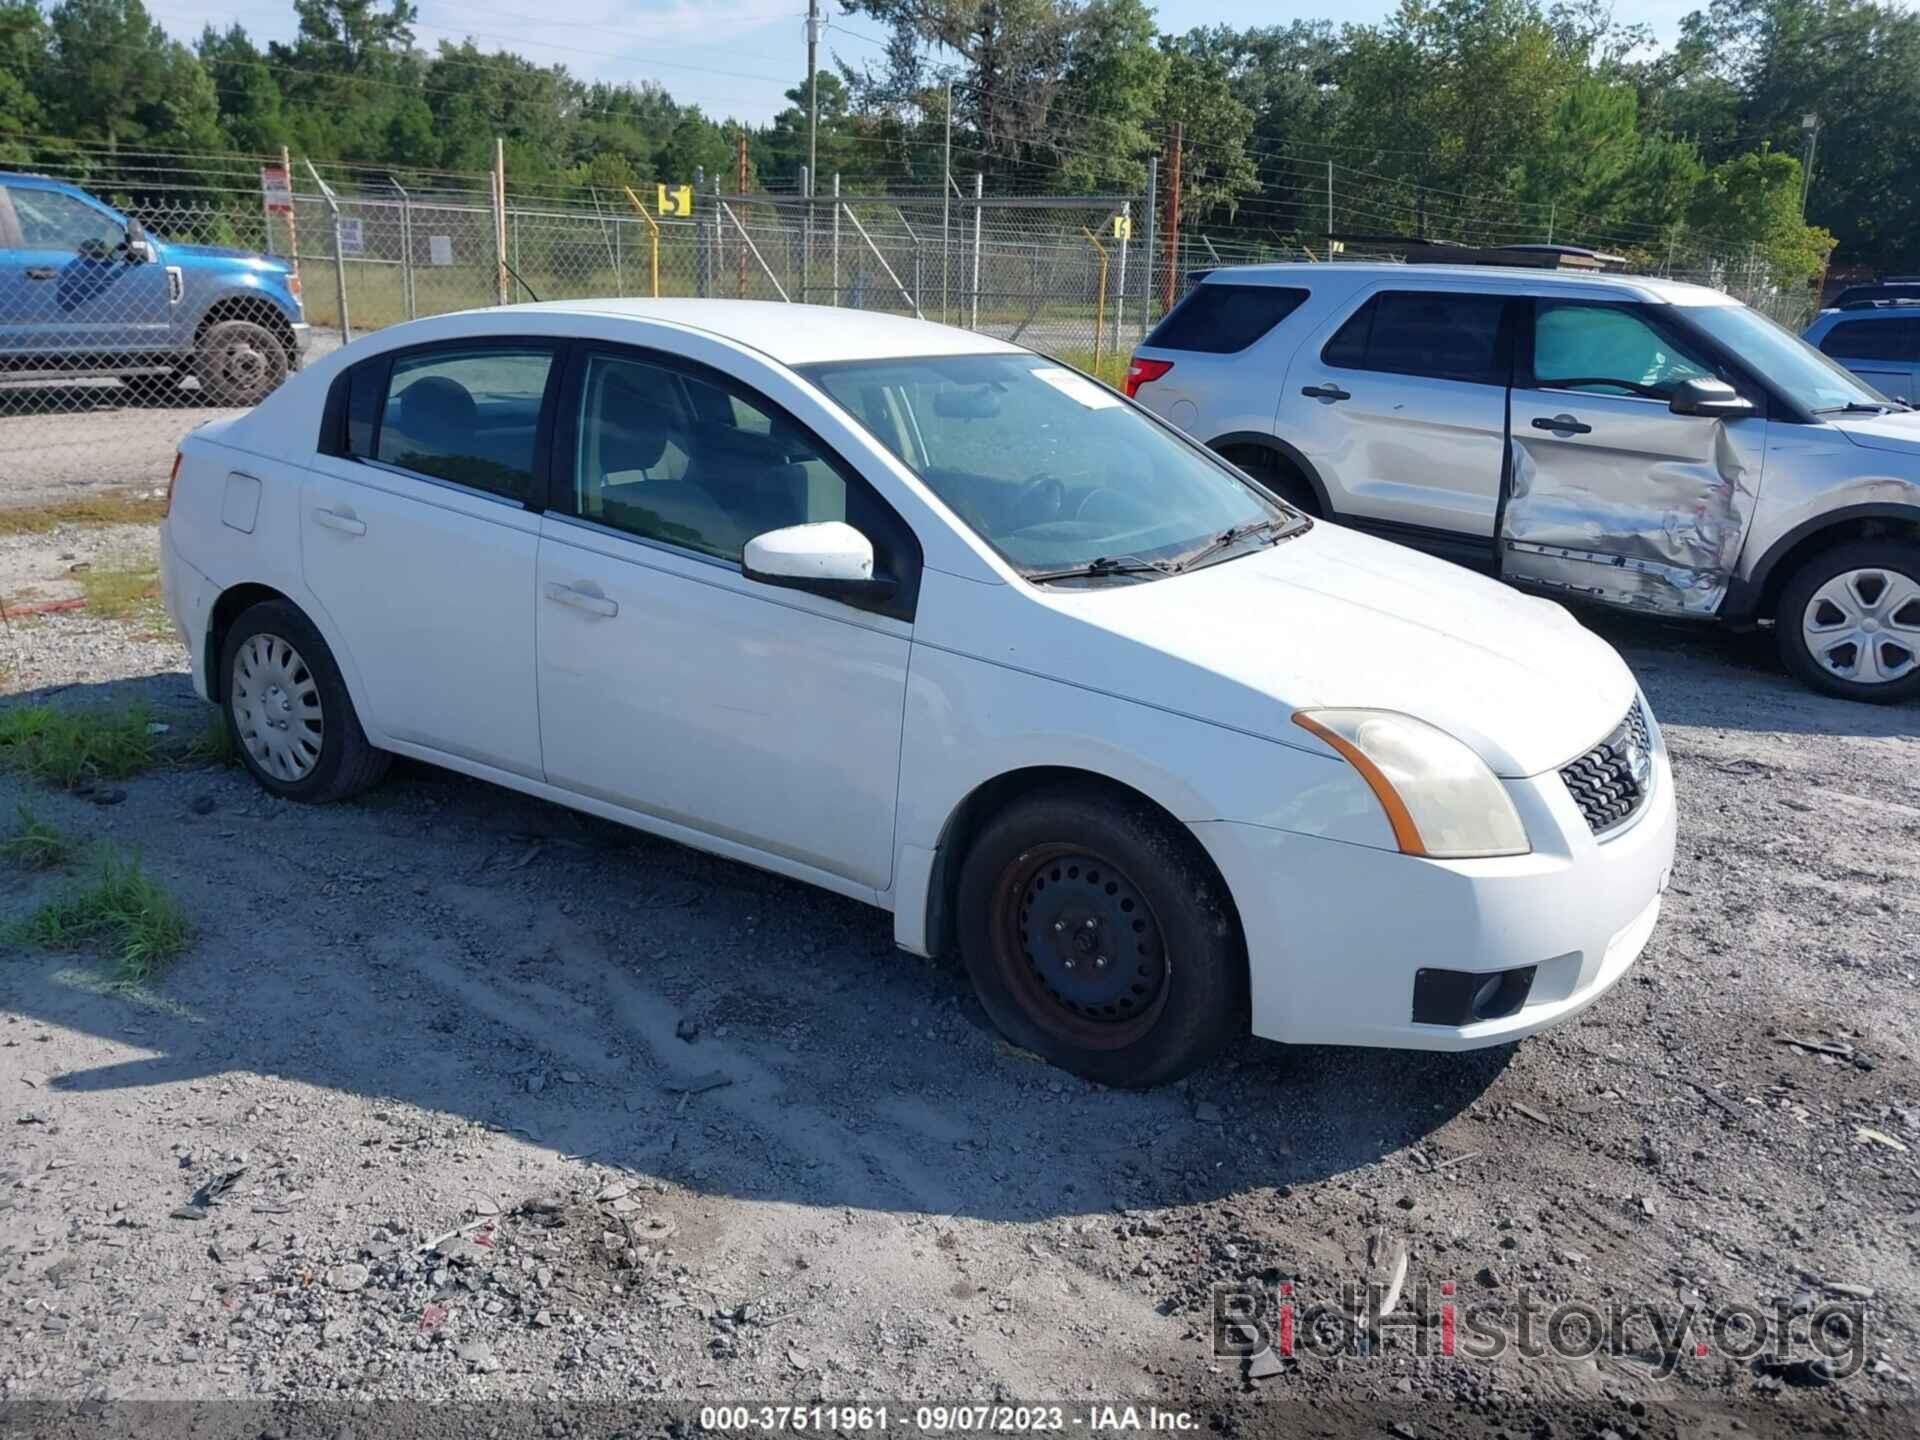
x=1603 y=781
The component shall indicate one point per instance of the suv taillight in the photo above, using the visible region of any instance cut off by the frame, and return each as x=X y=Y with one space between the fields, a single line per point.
x=167 y=508
x=1141 y=372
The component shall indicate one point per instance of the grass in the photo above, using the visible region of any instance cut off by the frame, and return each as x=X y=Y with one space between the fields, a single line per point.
x=110 y=508
x=118 y=907
x=123 y=594
x=1111 y=367
x=35 y=843
x=73 y=747
x=214 y=745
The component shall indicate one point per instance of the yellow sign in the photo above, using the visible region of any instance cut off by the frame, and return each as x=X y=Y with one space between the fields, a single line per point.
x=1122 y=227
x=677 y=201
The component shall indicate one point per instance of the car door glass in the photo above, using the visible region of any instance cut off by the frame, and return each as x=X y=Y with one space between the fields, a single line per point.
x=52 y=221
x=1887 y=339
x=1438 y=334
x=690 y=461
x=1608 y=350
x=467 y=416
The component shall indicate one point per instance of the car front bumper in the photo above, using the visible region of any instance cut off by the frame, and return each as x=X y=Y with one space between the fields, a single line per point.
x=302 y=340
x=1337 y=932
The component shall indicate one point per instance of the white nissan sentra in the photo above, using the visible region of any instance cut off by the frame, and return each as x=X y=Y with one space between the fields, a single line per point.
x=931 y=621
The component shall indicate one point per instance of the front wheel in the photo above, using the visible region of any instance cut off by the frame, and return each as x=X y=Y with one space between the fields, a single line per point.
x=1097 y=936
x=239 y=363
x=1848 y=622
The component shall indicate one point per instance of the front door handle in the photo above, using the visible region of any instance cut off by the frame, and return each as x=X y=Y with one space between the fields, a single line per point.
x=1325 y=392
x=345 y=524
x=41 y=272
x=581 y=599
x=1563 y=425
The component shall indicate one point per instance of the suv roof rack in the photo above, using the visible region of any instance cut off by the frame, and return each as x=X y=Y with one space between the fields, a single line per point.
x=1448 y=252
x=1895 y=291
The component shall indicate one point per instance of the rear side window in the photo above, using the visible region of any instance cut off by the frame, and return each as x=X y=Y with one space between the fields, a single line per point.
x=1874 y=340
x=1438 y=334
x=1221 y=319
x=470 y=416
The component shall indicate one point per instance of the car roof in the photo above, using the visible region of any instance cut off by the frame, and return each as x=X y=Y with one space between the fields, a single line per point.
x=790 y=334
x=1646 y=288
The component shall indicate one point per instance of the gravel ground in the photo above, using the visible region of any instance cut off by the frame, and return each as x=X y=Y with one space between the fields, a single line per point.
x=58 y=440
x=460 y=1096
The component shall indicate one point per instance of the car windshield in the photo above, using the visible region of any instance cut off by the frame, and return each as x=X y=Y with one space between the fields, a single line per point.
x=1052 y=470
x=1806 y=375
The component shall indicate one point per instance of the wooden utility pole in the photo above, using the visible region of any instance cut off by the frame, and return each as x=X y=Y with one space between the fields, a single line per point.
x=500 y=216
x=1171 y=235
x=740 y=257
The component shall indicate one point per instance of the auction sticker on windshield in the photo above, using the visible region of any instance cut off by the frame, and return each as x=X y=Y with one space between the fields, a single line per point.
x=1076 y=386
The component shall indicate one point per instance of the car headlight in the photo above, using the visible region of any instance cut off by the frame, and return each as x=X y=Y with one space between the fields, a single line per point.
x=1441 y=799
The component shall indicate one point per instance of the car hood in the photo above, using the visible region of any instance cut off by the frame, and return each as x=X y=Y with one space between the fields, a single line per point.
x=225 y=252
x=1335 y=618
x=1897 y=431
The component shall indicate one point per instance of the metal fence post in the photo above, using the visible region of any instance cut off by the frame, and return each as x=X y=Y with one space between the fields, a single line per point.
x=1120 y=294
x=806 y=234
x=699 y=233
x=836 y=237
x=406 y=249
x=339 y=264
x=979 y=195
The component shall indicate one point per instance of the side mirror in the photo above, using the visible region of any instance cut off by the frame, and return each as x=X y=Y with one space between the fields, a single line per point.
x=138 y=249
x=1714 y=399
x=828 y=558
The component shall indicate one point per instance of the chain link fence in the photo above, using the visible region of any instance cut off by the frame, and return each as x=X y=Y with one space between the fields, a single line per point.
x=117 y=341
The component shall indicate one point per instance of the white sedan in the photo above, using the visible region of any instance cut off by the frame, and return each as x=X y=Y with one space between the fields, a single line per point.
x=932 y=621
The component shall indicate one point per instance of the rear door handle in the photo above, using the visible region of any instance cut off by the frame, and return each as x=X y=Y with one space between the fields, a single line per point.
x=41 y=272
x=1563 y=425
x=345 y=524
x=581 y=599
x=1325 y=392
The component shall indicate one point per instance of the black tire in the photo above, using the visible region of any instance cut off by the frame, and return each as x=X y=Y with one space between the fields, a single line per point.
x=1900 y=560
x=239 y=363
x=1170 y=987
x=343 y=762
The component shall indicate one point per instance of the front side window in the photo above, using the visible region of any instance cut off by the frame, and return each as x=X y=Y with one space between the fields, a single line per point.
x=471 y=416
x=1050 y=469
x=1439 y=334
x=52 y=221
x=1608 y=350
x=694 y=462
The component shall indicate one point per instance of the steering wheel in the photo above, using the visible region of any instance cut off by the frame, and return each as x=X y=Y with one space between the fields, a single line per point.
x=1651 y=392
x=1041 y=499
x=1098 y=492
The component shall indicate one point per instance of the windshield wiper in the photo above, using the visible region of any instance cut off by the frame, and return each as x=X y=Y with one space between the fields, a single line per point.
x=1099 y=567
x=1856 y=407
x=1229 y=538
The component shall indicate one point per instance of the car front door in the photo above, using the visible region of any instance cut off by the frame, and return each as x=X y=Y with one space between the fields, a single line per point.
x=1400 y=404
x=1613 y=496
x=72 y=287
x=419 y=541
x=673 y=685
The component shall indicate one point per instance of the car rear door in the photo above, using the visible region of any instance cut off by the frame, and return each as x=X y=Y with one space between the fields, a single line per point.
x=1611 y=495
x=669 y=682
x=1399 y=403
x=419 y=540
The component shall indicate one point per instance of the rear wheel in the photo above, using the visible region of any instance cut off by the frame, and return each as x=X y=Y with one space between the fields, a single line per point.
x=1098 y=937
x=289 y=710
x=1848 y=622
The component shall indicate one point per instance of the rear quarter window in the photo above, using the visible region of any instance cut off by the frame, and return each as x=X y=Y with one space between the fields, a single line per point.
x=1221 y=319
x=1877 y=339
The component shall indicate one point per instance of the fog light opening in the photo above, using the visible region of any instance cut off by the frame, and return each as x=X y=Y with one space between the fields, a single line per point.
x=1464 y=997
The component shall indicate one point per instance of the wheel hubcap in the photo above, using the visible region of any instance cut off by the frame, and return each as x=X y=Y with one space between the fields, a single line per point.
x=1082 y=947
x=276 y=708
x=1864 y=626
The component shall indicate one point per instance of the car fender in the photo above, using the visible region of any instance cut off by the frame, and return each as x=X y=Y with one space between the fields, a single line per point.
x=1890 y=501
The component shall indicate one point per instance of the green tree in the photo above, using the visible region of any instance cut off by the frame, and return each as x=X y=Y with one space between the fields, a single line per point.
x=251 y=110
x=1215 y=169
x=23 y=58
x=1754 y=200
x=113 y=77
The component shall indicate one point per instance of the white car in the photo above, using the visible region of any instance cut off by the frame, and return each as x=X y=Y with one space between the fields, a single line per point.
x=929 y=620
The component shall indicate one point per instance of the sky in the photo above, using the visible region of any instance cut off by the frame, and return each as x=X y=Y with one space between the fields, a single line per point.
x=735 y=58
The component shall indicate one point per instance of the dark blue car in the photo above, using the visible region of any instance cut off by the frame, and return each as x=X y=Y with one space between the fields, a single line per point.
x=84 y=289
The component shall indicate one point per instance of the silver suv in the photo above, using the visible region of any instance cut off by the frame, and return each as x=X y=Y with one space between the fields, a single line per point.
x=1637 y=442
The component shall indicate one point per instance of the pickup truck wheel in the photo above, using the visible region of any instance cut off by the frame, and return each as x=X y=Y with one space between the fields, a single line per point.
x=239 y=362
x=1098 y=937
x=289 y=710
x=1849 y=621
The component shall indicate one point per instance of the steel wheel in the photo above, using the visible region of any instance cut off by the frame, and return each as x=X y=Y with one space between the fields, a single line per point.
x=1080 y=946
x=1863 y=625
x=275 y=701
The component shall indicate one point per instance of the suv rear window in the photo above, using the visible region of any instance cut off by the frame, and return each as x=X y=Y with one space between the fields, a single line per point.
x=1220 y=319
x=1884 y=339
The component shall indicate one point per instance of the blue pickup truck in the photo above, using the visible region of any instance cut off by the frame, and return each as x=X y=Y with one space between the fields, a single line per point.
x=85 y=290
